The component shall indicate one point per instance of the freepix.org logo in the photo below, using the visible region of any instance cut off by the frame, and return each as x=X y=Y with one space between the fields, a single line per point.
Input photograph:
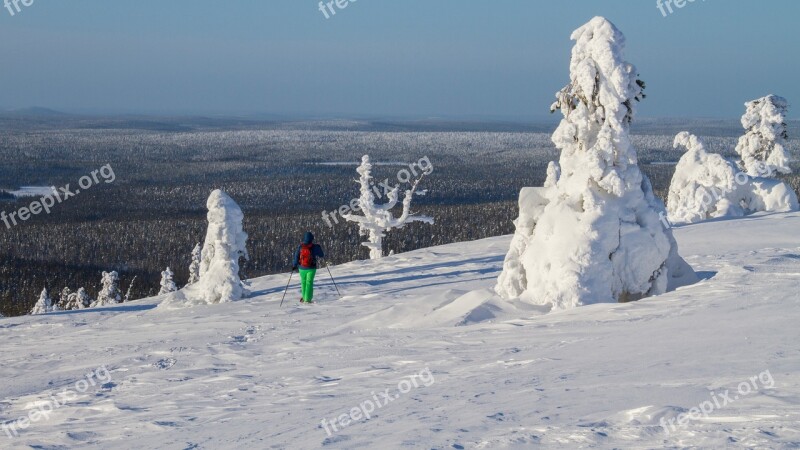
x=364 y=410
x=720 y=400
x=41 y=410
x=380 y=189
x=13 y=6
x=666 y=6
x=328 y=10
x=57 y=196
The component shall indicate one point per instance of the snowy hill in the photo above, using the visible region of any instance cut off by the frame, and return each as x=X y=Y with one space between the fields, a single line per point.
x=463 y=369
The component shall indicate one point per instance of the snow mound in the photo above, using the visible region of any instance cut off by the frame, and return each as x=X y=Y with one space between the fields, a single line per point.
x=474 y=307
x=453 y=308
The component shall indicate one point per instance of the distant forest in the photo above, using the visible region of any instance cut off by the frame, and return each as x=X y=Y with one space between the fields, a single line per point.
x=281 y=174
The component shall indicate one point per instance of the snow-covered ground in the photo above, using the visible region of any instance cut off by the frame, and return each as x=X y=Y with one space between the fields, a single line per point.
x=249 y=374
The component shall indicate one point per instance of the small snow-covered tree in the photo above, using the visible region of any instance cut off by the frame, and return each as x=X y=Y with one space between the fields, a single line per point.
x=225 y=244
x=56 y=307
x=84 y=300
x=763 y=147
x=167 y=284
x=706 y=185
x=194 y=267
x=63 y=298
x=44 y=305
x=376 y=220
x=109 y=292
x=130 y=288
x=72 y=302
x=593 y=234
x=79 y=300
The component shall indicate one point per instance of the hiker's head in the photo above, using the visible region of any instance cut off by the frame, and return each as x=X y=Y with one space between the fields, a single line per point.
x=308 y=238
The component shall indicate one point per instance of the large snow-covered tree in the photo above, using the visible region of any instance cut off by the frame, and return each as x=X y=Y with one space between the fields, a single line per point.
x=225 y=244
x=762 y=150
x=109 y=292
x=44 y=305
x=706 y=185
x=167 y=283
x=594 y=234
x=375 y=220
x=194 y=267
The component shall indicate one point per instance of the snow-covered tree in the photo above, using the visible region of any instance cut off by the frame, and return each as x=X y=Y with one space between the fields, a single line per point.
x=376 y=220
x=128 y=292
x=194 y=267
x=763 y=147
x=225 y=244
x=109 y=293
x=167 y=284
x=79 y=300
x=706 y=185
x=84 y=299
x=594 y=234
x=72 y=302
x=45 y=304
x=63 y=299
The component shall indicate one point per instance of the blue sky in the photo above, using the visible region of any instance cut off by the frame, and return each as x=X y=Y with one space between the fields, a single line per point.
x=413 y=58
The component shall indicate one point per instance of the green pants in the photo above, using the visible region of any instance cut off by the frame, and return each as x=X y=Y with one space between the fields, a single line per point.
x=307 y=283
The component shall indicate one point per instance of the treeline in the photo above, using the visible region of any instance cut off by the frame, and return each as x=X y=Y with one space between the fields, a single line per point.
x=55 y=256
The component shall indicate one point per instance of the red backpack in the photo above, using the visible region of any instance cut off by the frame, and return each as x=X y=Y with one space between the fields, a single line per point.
x=306 y=255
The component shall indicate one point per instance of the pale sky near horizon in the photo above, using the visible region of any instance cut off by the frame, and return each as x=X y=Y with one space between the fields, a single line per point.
x=414 y=58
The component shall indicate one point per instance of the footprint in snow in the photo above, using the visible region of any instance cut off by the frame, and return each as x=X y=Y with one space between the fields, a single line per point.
x=334 y=439
x=164 y=364
x=326 y=379
x=81 y=436
x=166 y=423
x=251 y=334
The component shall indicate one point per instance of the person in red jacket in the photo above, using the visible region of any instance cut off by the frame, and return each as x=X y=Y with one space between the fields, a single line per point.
x=305 y=259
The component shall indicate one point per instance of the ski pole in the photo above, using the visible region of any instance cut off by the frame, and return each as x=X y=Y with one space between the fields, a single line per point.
x=334 y=281
x=287 y=287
